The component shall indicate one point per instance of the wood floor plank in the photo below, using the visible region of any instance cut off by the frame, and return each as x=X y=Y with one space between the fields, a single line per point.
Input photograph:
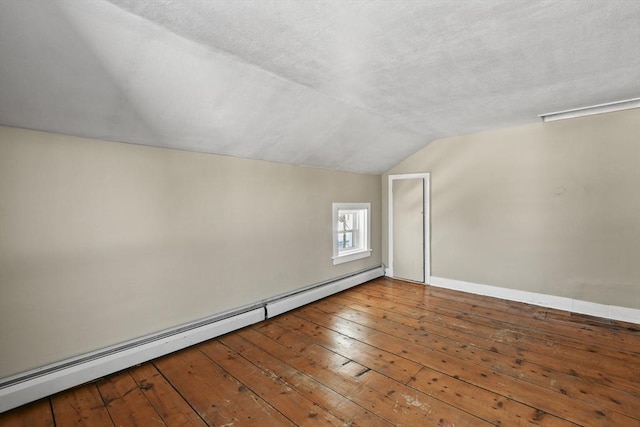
x=513 y=313
x=542 y=398
x=459 y=317
x=624 y=373
x=547 y=371
x=379 y=359
x=606 y=327
x=171 y=407
x=350 y=413
x=80 y=406
x=489 y=406
x=557 y=320
x=36 y=414
x=218 y=398
x=281 y=396
x=493 y=407
x=481 y=335
x=126 y=403
x=580 y=319
x=380 y=394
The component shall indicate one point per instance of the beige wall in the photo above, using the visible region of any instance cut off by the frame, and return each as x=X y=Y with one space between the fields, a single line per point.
x=103 y=242
x=549 y=208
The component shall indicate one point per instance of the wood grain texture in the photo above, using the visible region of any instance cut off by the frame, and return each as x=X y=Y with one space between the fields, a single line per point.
x=126 y=403
x=386 y=353
x=36 y=414
x=166 y=400
x=80 y=406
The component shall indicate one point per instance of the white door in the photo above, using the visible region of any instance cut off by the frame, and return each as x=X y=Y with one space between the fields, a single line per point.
x=408 y=229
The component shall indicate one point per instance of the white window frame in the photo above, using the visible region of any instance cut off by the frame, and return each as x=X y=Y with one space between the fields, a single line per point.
x=362 y=235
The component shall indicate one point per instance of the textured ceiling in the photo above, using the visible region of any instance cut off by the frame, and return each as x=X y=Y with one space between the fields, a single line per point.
x=348 y=85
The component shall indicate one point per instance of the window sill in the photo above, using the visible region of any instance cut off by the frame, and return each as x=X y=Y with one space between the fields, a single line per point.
x=351 y=256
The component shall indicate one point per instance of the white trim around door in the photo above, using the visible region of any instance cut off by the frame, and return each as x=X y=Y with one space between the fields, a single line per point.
x=426 y=227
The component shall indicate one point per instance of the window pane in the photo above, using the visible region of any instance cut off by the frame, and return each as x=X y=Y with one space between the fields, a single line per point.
x=345 y=221
x=345 y=240
x=346 y=228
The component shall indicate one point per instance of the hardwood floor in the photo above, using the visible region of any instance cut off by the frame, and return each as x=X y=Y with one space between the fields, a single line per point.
x=384 y=353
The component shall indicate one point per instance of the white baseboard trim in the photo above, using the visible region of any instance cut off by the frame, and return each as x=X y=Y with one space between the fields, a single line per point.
x=613 y=312
x=29 y=386
x=307 y=296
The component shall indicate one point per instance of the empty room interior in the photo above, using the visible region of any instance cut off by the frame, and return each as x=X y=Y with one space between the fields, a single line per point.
x=348 y=213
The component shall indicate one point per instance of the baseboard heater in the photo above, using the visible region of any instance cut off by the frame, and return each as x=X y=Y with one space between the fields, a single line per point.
x=48 y=380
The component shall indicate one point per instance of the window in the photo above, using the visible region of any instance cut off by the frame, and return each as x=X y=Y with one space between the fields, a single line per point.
x=351 y=231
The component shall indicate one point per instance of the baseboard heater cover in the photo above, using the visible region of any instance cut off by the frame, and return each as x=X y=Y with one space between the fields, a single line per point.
x=46 y=381
x=307 y=296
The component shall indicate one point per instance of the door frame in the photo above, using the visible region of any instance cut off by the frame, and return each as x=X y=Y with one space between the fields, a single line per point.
x=426 y=218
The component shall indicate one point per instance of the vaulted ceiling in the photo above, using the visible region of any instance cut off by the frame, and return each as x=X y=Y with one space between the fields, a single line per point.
x=347 y=85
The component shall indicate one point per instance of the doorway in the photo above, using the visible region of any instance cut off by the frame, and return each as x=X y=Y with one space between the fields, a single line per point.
x=408 y=230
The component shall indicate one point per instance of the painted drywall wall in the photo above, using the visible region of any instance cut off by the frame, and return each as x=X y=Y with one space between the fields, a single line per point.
x=103 y=242
x=551 y=208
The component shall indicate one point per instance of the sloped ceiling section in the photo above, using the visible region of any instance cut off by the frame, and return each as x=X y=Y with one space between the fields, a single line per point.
x=347 y=85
